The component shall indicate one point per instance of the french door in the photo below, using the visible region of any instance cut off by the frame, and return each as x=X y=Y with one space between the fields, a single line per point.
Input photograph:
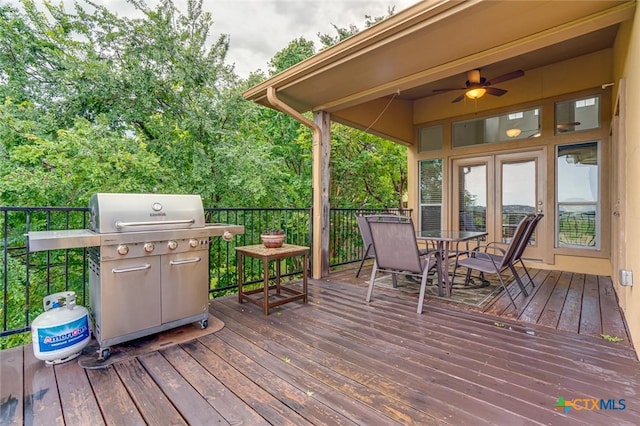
x=492 y=193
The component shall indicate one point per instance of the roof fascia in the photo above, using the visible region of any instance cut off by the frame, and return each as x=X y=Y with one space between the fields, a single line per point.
x=410 y=19
x=540 y=40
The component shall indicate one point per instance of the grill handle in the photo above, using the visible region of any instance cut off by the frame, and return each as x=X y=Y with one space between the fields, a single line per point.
x=185 y=261
x=133 y=269
x=120 y=224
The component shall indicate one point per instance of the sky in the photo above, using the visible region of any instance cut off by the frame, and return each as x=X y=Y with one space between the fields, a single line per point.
x=260 y=28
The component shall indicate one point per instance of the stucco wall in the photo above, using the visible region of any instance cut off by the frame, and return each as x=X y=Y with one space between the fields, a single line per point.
x=627 y=60
x=572 y=75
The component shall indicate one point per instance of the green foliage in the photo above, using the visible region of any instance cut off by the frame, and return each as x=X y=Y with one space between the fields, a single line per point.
x=328 y=40
x=273 y=231
x=94 y=102
x=66 y=170
x=296 y=51
x=612 y=339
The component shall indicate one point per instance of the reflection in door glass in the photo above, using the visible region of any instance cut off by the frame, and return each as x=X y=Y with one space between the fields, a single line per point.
x=518 y=195
x=578 y=196
x=473 y=198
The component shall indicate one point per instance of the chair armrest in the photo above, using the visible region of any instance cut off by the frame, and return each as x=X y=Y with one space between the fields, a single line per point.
x=488 y=247
x=427 y=252
x=486 y=257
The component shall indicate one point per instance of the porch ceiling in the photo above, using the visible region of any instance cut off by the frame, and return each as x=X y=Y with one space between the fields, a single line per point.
x=434 y=43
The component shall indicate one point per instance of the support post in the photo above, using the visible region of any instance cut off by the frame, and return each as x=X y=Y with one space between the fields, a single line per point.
x=321 y=180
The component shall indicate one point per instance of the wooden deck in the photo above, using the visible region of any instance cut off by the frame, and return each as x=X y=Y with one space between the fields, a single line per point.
x=339 y=360
x=578 y=303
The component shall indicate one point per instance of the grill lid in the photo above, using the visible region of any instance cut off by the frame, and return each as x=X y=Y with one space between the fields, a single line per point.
x=114 y=212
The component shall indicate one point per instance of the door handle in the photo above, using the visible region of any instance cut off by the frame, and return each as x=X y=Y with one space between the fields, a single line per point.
x=132 y=269
x=185 y=261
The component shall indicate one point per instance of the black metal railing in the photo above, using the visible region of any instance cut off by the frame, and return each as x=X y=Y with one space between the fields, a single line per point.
x=27 y=277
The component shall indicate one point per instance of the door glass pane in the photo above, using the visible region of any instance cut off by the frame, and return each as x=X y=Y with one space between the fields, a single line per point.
x=578 y=195
x=518 y=195
x=578 y=173
x=473 y=198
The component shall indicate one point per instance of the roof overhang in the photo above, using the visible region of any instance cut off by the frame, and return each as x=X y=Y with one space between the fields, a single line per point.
x=434 y=43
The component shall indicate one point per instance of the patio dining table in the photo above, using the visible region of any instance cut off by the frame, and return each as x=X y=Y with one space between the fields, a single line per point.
x=444 y=239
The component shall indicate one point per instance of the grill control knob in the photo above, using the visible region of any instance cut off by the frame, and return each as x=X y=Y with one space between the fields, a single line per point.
x=149 y=247
x=193 y=243
x=172 y=245
x=122 y=249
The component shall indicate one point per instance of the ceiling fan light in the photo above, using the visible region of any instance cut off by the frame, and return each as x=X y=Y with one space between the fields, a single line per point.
x=475 y=93
x=514 y=132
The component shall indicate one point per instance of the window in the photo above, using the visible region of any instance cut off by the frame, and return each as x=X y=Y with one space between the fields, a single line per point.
x=575 y=115
x=514 y=125
x=430 y=194
x=578 y=197
x=430 y=138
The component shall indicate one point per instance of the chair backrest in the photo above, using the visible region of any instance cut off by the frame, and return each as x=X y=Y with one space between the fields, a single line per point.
x=386 y=217
x=524 y=242
x=516 y=240
x=365 y=232
x=395 y=244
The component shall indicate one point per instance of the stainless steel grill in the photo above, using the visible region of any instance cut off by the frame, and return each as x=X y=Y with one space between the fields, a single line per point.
x=149 y=263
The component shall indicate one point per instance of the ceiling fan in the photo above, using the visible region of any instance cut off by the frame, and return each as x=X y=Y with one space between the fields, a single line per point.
x=567 y=127
x=476 y=86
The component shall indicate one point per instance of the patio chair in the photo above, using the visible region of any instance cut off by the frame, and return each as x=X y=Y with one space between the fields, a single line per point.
x=496 y=261
x=396 y=252
x=524 y=242
x=363 y=226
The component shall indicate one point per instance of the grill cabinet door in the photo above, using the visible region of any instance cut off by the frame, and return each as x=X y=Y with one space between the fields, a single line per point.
x=185 y=285
x=130 y=296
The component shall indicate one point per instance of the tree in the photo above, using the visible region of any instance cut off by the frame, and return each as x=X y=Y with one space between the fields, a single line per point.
x=155 y=81
x=366 y=171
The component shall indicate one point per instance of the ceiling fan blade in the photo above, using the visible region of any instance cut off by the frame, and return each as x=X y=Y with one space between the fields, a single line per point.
x=458 y=99
x=505 y=77
x=448 y=89
x=495 y=91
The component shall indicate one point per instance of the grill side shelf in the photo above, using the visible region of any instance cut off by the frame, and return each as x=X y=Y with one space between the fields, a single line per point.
x=58 y=240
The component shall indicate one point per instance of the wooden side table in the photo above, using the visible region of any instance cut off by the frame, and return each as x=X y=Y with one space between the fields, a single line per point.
x=267 y=255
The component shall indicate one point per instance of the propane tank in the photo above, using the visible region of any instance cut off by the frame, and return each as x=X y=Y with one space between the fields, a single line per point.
x=61 y=332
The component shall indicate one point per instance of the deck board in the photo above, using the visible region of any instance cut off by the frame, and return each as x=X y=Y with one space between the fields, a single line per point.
x=225 y=402
x=552 y=310
x=79 y=405
x=266 y=375
x=153 y=404
x=612 y=320
x=590 y=322
x=265 y=404
x=339 y=360
x=193 y=407
x=536 y=305
x=41 y=400
x=111 y=395
x=11 y=391
x=570 y=316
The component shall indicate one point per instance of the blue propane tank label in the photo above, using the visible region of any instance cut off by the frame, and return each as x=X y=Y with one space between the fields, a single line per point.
x=64 y=335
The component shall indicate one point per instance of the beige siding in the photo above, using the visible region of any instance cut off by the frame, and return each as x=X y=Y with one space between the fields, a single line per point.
x=628 y=61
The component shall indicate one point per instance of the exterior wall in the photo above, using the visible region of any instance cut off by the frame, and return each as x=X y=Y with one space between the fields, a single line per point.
x=564 y=77
x=540 y=87
x=389 y=118
x=627 y=62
